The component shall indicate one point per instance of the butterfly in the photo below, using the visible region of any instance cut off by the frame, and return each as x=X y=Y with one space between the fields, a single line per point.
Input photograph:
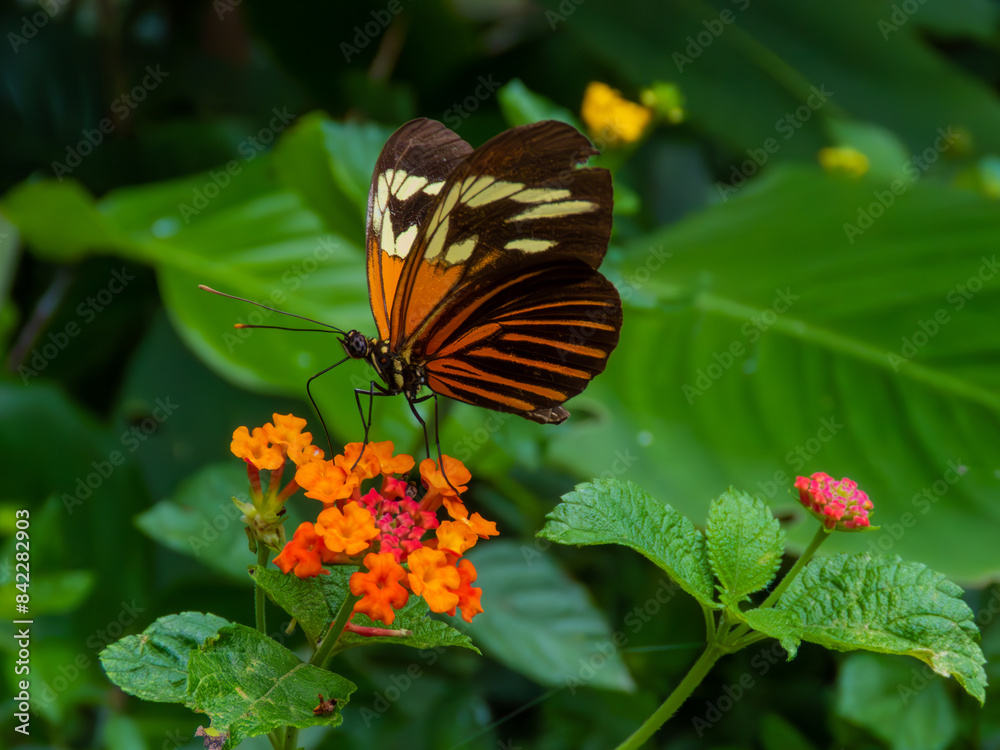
x=482 y=269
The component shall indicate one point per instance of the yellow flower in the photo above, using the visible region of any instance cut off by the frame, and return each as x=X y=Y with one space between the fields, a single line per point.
x=843 y=160
x=612 y=118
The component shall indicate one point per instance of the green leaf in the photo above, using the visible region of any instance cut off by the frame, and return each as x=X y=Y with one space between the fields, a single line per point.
x=607 y=511
x=541 y=623
x=520 y=106
x=745 y=545
x=883 y=604
x=315 y=602
x=778 y=624
x=80 y=228
x=902 y=704
x=249 y=685
x=762 y=386
x=154 y=666
x=202 y=521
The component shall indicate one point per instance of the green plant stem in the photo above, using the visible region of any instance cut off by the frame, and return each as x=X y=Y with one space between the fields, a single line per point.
x=260 y=616
x=775 y=596
x=681 y=693
x=327 y=646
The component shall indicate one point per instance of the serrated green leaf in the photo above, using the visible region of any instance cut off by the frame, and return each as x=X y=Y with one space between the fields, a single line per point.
x=883 y=604
x=314 y=602
x=250 y=684
x=541 y=623
x=607 y=511
x=154 y=666
x=777 y=624
x=899 y=702
x=745 y=545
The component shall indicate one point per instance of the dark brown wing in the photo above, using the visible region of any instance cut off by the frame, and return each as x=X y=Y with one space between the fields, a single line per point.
x=528 y=343
x=518 y=202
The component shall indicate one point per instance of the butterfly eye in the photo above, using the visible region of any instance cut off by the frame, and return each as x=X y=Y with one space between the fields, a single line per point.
x=355 y=344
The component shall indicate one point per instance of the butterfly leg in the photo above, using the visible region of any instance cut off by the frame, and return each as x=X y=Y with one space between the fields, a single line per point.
x=374 y=389
x=437 y=433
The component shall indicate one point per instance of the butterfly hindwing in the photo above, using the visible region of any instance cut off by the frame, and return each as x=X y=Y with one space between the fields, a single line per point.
x=530 y=342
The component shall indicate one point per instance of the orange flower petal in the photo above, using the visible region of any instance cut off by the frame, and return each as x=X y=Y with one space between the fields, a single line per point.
x=303 y=553
x=323 y=481
x=468 y=597
x=456 y=536
x=380 y=590
x=350 y=531
x=482 y=527
x=256 y=449
x=388 y=463
x=433 y=577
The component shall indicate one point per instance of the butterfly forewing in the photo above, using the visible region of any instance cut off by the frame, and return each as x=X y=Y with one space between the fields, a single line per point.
x=407 y=180
x=482 y=264
x=519 y=200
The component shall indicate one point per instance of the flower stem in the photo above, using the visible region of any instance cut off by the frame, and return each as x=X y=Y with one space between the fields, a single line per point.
x=260 y=616
x=775 y=596
x=681 y=693
x=325 y=652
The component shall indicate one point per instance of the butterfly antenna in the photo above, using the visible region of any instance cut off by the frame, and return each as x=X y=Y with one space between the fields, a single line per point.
x=280 y=312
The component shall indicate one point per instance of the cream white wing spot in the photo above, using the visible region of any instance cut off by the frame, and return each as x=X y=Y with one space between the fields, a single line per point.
x=529 y=246
x=541 y=195
x=495 y=192
x=434 y=188
x=554 y=210
x=410 y=187
x=388 y=239
x=405 y=241
x=436 y=244
x=397 y=179
x=460 y=251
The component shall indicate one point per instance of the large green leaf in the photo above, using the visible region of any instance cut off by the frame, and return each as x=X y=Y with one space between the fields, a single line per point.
x=251 y=685
x=883 y=604
x=154 y=665
x=757 y=347
x=747 y=71
x=540 y=623
x=611 y=512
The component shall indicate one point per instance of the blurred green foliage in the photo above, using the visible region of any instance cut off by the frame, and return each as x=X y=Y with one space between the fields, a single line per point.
x=780 y=319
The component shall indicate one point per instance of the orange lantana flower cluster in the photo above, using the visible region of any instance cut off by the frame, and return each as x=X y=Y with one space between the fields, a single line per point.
x=375 y=517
